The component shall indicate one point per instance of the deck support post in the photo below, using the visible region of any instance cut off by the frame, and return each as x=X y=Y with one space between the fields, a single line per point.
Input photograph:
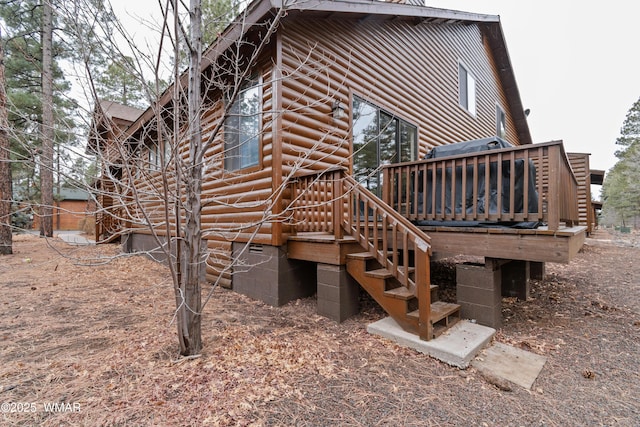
x=537 y=270
x=479 y=292
x=338 y=292
x=265 y=273
x=515 y=279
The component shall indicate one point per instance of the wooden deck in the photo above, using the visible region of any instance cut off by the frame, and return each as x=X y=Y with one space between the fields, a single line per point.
x=322 y=247
x=540 y=245
x=337 y=221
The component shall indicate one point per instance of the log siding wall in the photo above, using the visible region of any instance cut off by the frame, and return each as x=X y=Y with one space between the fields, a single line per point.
x=409 y=70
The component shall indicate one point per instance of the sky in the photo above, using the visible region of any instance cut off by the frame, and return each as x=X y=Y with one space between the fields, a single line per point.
x=576 y=65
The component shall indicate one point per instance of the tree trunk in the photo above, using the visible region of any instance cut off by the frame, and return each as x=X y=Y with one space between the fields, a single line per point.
x=189 y=316
x=46 y=158
x=5 y=168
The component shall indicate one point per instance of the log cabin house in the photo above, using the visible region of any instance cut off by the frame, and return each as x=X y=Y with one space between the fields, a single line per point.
x=318 y=182
x=109 y=124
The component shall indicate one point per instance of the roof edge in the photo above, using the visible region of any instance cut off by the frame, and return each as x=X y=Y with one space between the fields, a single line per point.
x=257 y=10
x=378 y=7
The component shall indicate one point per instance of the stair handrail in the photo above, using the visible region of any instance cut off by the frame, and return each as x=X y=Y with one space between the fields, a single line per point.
x=333 y=201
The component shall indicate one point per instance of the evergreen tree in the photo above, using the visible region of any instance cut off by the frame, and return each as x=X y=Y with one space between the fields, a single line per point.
x=216 y=15
x=621 y=189
x=118 y=82
x=23 y=72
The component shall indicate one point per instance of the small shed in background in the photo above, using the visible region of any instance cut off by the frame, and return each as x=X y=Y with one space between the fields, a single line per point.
x=73 y=208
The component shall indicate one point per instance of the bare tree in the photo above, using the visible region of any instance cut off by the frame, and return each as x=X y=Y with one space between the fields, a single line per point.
x=6 y=246
x=152 y=173
x=189 y=318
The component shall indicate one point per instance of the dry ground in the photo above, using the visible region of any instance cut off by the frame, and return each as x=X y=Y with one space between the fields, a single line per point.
x=99 y=337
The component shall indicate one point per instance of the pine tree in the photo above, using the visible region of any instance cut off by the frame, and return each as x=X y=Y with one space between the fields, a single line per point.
x=621 y=189
x=23 y=73
x=119 y=83
x=6 y=246
x=47 y=126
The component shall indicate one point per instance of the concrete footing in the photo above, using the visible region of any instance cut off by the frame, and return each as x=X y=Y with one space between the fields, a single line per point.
x=509 y=363
x=537 y=270
x=457 y=346
x=156 y=249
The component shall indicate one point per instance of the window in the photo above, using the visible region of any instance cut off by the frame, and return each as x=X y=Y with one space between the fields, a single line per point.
x=154 y=157
x=167 y=152
x=379 y=138
x=467 y=88
x=242 y=129
x=501 y=123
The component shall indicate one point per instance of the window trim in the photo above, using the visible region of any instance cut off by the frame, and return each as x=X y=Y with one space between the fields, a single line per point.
x=254 y=81
x=399 y=122
x=153 y=157
x=464 y=94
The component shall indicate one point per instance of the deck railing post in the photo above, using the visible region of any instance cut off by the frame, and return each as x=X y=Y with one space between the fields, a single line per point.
x=553 y=195
x=425 y=327
x=386 y=186
x=338 y=204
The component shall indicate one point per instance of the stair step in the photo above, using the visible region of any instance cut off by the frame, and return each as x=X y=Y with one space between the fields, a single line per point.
x=410 y=269
x=439 y=310
x=403 y=293
x=399 y=293
x=434 y=293
x=361 y=256
x=381 y=273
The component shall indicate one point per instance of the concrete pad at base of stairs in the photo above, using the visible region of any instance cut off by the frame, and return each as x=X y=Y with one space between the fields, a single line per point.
x=512 y=364
x=457 y=346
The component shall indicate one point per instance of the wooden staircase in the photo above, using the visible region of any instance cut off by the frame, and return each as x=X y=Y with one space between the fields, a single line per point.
x=398 y=301
x=394 y=264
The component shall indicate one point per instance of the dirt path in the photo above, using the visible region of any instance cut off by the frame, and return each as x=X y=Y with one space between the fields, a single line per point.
x=99 y=338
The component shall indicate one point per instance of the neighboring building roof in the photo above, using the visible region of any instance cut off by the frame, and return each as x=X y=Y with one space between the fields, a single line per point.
x=114 y=110
x=106 y=116
x=260 y=10
x=65 y=193
x=597 y=176
x=71 y=194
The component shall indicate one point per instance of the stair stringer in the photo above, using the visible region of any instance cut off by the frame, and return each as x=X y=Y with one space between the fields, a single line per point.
x=376 y=287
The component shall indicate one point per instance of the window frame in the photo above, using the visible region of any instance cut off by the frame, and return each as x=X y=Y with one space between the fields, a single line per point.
x=467 y=90
x=153 y=157
x=384 y=120
x=232 y=161
x=501 y=119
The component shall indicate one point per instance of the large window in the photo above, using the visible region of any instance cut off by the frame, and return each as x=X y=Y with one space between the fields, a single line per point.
x=242 y=129
x=467 y=89
x=379 y=138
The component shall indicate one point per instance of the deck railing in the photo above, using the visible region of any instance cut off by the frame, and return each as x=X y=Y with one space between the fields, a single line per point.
x=108 y=223
x=524 y=183
x=331 y=201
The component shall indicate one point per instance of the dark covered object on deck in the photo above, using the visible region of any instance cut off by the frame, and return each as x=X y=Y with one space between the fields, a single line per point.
x=455 y=207
x=467 y=147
